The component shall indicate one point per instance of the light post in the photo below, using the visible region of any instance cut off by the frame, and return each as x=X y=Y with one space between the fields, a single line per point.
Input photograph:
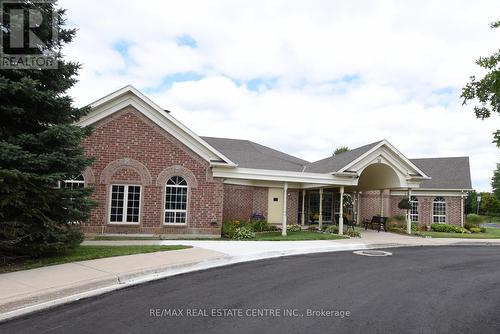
x=478 y=202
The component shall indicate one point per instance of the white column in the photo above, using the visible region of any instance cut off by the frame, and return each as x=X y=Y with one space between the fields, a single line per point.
x=355 y=207
x=320 y=219
x=382 y=203
x=462 y=211
x=408 y=217
x=358 y=207
x=303 y=215
x=341 y=211
x=285 y=195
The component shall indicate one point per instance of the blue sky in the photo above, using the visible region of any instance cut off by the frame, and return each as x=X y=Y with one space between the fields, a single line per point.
x=300 y=77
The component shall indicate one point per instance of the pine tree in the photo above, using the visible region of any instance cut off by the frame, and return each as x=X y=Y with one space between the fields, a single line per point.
x=40 y=146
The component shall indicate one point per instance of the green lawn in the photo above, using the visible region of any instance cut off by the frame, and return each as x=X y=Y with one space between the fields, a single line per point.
x=491 y=233
x=295 y=236
x=86 y=253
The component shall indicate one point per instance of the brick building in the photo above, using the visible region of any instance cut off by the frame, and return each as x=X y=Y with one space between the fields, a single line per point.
x=152 y=175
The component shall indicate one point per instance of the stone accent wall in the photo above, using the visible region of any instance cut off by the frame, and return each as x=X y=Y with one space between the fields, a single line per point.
x=130 y=149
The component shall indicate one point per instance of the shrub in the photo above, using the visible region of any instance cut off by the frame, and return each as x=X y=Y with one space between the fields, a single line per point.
x=293 y=228
x=396 y=224
x=272 y=228
x=352 y=233
x=229 y=227
x=313 y=228
x=474 y=219
x=469 y=225
x=243 y=232
x=260 y=226
x=475 y=229
x=333 y=229
x=438 y=227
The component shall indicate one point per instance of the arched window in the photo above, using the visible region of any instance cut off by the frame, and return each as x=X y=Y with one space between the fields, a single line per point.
x=414 y=209
x=74 y=182
x=439 y=210
x=176 y=193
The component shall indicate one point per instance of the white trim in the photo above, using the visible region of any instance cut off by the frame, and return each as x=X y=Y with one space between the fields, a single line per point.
x=394 y=150
x=188 y=193
x=283 y=176
x=125 y=204
x=129 y=95
x=445 y=202
x=430 y=193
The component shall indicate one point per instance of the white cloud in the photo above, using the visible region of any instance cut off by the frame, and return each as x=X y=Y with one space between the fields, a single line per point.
x=344 y=73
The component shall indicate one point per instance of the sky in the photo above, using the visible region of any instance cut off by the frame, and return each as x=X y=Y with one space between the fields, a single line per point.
x=303 y=77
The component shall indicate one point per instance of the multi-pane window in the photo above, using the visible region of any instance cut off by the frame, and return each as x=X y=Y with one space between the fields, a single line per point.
x=176 y=193
x=125 y=204
x=414 y=209
x=439 y=210
x=74 y=183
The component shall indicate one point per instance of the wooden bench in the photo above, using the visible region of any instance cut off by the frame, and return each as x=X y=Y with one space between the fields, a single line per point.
x=376 y=220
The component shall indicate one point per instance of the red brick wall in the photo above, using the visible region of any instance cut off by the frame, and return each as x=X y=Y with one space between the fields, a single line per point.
x=240 y=202
x=453 y=209
x=370 y=204
x=146 y=150
x=292 y=206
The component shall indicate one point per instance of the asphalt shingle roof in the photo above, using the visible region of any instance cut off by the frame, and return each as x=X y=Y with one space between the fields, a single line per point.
x=248 y=154
x=446 y=173
x=336 y=162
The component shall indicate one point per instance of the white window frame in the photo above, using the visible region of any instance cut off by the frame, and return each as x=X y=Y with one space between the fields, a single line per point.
x=125 y=204
x=414 y=201
x=442 y=201
x=73 y=181
x=175 y=210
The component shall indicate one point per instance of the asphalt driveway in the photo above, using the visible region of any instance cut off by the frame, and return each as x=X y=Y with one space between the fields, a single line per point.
x=416 y=290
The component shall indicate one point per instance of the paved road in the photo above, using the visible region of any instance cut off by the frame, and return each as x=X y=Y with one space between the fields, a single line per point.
x=417 y=290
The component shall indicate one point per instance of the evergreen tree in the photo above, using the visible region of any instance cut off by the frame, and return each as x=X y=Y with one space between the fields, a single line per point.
x=39 y=146
x=340 y=149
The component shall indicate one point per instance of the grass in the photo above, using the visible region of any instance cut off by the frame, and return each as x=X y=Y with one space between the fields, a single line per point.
x=83 y=253
x=295 y=236
x=132 y=237
x=491 y=233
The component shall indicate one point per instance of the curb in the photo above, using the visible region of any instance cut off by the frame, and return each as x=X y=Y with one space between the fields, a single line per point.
x=67 y=295
x=98 y=287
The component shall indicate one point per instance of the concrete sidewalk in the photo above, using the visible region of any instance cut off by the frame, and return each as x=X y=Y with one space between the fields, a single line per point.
x=26 y=291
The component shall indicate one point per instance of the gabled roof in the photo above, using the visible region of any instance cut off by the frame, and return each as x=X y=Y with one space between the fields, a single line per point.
x=248 y=154
x=446 y=173
x=338 y=161
x=129 y=95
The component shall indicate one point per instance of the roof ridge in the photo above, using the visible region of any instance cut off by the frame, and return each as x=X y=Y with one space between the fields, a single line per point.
x=354 y=149
x=254 y=144
x=453 y=157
